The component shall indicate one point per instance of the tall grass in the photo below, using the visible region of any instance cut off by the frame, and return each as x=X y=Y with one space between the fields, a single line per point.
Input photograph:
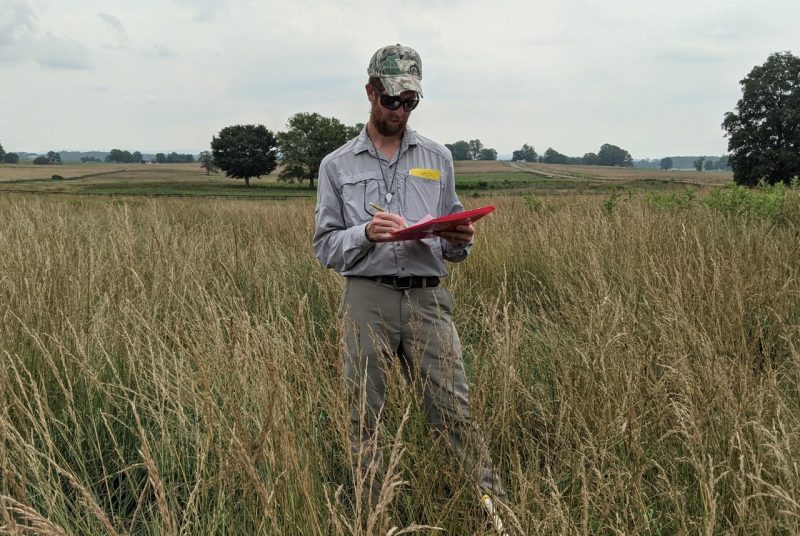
x=172 y=367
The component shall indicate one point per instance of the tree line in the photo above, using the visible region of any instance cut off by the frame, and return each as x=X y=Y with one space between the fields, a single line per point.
x=247 y=151
x=763 y=132
x=8 y=158
x=471 y=150
x=120 y=156
x=607 y=155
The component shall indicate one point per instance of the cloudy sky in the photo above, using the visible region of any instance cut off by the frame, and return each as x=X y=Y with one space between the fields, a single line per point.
x=653 y=77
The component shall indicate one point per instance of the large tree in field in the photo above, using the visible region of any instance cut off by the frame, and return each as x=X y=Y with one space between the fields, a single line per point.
x=551 y=156
x=459 y=150
x=309 y=138
x=487 y=153
x=2 y=153
x=475 y=148
x=526 y=154
x=764 y=131
x=245 y=151
x=206 y=160
x=611 y=155
x=666 y=163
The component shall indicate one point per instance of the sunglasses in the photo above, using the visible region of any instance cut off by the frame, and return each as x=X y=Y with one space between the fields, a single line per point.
x=393 y=103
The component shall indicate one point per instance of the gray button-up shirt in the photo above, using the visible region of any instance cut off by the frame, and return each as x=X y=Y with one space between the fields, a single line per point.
x=420 y=181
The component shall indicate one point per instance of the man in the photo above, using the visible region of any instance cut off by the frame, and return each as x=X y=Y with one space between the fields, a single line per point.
x=393 y=305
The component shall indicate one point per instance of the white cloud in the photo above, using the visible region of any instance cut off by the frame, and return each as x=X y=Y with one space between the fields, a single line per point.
x=652 y=77
x=56 y=53
x=204 y=10
x=114 y=24
x=17 y=21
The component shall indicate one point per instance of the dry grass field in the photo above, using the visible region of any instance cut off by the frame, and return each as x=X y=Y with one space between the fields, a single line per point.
x=18 y=172
x=171 y=368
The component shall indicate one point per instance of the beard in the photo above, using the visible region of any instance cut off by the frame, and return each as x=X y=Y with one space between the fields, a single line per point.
x=386 y=123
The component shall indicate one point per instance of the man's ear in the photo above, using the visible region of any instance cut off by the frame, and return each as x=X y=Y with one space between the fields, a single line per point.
x=370 y=92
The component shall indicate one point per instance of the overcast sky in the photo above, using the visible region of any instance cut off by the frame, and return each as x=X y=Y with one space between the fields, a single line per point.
x=653 y=77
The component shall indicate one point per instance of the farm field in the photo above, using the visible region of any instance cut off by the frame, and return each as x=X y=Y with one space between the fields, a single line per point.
x=171 y=367
x=472 y=178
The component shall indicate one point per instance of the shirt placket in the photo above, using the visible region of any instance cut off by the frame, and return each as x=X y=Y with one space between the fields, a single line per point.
x=400 y=252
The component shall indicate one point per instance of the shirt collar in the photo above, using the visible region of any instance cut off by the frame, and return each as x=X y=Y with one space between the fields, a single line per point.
x=363 y=142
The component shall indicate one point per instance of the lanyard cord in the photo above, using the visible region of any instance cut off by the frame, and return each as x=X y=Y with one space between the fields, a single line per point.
x=389 y=186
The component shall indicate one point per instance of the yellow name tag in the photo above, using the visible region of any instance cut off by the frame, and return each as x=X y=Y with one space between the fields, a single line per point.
x=430 y=174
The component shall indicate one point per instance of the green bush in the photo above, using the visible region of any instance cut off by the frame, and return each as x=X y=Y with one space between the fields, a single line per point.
x=534 y=204
x=57 y=178
x=777 y=202
x=672 y=200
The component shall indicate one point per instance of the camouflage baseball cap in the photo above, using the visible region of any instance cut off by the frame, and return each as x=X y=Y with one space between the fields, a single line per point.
x=399 y=69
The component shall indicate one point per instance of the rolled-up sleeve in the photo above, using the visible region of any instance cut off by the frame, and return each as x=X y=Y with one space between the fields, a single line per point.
x=335 y=245
x=451 y=204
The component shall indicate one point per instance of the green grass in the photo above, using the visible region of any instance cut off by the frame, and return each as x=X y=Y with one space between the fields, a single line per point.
x=519 y=183
x=221 y=188
x=171 y=366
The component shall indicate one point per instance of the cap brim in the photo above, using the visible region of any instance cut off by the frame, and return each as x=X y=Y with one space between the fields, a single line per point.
x=395 y=85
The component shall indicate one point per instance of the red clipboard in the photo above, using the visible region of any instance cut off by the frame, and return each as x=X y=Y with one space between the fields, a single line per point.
x=444 y=223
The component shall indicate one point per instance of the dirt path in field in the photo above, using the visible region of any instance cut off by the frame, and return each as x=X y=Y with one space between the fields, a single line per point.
x=545 y=174
x=542 y=173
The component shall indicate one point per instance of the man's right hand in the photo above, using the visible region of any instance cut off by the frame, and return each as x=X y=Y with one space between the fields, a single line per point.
x=382 y=226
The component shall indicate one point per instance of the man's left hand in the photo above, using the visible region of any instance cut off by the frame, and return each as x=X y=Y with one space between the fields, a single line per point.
x=460 y=237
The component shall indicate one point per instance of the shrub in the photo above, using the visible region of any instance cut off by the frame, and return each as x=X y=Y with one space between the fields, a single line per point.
x=534 y=204
x=763 y=201
x=669 y=201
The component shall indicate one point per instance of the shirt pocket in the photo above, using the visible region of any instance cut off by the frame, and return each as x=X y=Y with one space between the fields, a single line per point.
x=357 y=192
x=422 y=197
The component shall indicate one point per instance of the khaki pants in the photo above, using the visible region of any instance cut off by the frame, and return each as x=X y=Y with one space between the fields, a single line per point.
x=415 y=327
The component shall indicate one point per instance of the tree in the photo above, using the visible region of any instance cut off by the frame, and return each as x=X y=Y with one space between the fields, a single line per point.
x=137 y=157
x=710 y=165
x=206 y=160
x=54 y=157
x=551 y=156
x=161 y=158
x=589 y=159
x=459 y=150
x=666 y=163
x=2 y=153
x=698 y=164
x=309 y=138
x=487 y=154
x=244 y=151
x=611 y=155
x=525 y=154
x=120 y=157
x=764 y=131
x=475 y=148
x=41 y=161
x=11 y=158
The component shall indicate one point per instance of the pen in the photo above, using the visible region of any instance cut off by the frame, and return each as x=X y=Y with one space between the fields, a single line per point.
x=381 y=209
